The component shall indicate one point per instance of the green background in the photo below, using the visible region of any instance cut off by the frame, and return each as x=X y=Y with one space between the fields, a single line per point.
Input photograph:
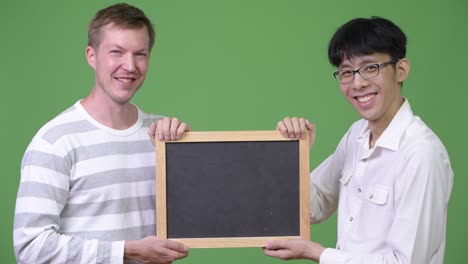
x=234 y=65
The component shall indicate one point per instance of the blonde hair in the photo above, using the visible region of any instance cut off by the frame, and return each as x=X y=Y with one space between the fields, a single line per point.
x=122 y=16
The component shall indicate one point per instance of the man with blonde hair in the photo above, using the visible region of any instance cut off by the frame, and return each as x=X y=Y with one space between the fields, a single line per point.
x=87 y=190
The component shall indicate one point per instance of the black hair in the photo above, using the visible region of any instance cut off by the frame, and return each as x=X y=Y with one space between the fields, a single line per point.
x=365 y=36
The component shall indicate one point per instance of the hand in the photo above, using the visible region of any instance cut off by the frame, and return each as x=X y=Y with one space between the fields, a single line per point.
x=294 y=249
x=154 y=250
x=167 y=129
x=296 y=128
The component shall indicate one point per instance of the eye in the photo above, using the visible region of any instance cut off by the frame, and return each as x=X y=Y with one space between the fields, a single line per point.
x=115 y=52
x=371 y=68
x=142 y=55
x=345 y=73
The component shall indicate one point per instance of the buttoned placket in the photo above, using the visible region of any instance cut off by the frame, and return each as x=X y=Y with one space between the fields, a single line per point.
x=358 y=191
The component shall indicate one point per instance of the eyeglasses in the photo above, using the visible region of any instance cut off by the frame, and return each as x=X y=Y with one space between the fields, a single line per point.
x=366 y=72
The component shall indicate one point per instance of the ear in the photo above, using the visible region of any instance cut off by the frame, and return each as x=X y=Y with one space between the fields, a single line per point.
x=91 y=57
x=402 y=69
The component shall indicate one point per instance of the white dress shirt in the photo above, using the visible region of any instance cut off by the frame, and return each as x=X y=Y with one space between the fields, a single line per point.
x=392 y=199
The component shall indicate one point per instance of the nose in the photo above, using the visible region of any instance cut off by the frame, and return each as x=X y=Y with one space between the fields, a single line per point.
x=359 y=82
x=129 y=63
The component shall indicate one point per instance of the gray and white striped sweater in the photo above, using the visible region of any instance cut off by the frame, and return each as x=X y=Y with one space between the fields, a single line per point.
x=84 y=189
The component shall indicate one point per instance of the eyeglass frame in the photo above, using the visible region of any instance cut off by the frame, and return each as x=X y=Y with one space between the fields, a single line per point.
x=379 y=65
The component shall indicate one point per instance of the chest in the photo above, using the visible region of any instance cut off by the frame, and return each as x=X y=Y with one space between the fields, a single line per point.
x=368 y=193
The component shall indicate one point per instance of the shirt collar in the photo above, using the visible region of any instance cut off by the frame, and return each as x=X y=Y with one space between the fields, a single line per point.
x=391 y=137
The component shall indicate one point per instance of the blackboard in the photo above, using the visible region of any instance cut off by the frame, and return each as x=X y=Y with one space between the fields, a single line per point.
x=232 y=189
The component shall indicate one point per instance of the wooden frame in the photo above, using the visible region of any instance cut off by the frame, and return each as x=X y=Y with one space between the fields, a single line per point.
x=231 y=136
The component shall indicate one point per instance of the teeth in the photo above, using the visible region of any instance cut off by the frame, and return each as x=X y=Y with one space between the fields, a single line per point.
x=365 y=99
x=125 y=80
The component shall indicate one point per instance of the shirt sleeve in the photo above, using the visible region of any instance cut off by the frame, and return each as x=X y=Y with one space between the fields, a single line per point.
x=418 y=230
x=325 y=184
x=42 y=195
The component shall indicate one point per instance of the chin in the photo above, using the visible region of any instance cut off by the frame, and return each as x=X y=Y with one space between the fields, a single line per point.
x=367 y=115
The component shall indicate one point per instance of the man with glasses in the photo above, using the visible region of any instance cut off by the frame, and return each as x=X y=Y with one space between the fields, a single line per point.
x=390 y=177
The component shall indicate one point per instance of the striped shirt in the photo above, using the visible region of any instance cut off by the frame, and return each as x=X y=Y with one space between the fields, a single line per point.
x=85 y=188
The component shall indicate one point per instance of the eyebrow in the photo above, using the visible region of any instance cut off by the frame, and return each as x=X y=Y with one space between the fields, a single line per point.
x=113 y=46
x=362 y=63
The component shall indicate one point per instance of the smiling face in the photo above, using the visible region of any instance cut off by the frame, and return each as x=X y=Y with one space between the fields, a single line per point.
x=376 y=99
x=120 y=62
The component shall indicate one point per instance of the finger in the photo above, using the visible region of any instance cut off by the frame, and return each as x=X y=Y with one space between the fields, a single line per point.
x=152 y=132
x=282 y=129
x=302 y=127
x=175 y=255
x=312 y=132
x=296 y=127
x=289 y=127
x=163 y=254
x=275 y=245
x=281 y=253
x=173 y=128
x=182 y=128
x=176 y=246
x=169 y=255
x=159 y=129
x=166 y=124
x=310 y=126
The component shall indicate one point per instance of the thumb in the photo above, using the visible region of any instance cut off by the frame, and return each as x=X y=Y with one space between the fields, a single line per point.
x=151 y=132
x=312 y=132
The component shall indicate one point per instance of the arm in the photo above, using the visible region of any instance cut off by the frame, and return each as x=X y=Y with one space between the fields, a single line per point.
x=324 y=180
x=417 y=234
x=38 y=241
x=42 y=195
x=324 y=187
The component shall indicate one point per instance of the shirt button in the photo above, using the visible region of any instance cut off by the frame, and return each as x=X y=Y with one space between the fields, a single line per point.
x=371 y=196
x=359 y=190
x=351 y=219
x=364 y=159
x=338 y=247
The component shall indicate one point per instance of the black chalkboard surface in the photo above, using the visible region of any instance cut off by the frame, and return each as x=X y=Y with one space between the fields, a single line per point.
x=232 y=189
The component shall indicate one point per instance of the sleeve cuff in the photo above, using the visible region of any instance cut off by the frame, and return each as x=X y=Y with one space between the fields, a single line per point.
x=117 y=254
x=333 y=256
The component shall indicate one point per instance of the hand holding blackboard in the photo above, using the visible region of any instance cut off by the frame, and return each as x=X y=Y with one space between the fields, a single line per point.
x=297 y=128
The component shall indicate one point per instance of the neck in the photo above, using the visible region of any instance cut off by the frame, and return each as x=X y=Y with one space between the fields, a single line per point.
x=110 y=113
x=377 y=127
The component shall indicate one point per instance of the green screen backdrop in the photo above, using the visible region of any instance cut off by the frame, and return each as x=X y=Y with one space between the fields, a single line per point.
x=234 y=65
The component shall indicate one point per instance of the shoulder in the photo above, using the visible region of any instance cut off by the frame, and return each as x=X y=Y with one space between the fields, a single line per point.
x=68 y=122
x=424 y=158
x=419 y=141
x=68 y=116
x=148 y=118
x=43 y=148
